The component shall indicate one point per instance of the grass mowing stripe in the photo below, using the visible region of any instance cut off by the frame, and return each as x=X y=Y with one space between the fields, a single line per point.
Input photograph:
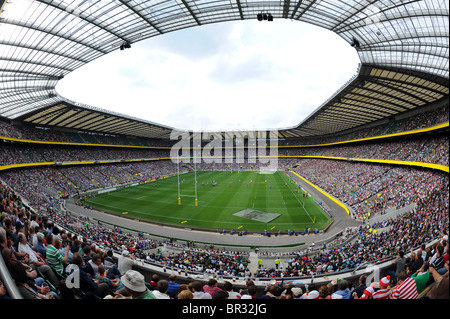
x=158 y=201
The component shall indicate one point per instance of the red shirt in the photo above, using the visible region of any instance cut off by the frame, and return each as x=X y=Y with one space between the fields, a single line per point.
x=383 y=293
x=210 y=290
x=406 y=290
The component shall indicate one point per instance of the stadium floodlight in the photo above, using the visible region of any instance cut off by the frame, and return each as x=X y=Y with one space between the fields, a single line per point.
x=125 y=45
x=264 y=16
x=355 y=43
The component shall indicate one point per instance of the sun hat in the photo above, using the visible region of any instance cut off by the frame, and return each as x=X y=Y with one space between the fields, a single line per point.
x=134 y=280
x=297 y=291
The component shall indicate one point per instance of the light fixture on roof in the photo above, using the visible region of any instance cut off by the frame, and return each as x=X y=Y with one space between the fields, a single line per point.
x=355 y=43
x=125 y=45
x=264 y=16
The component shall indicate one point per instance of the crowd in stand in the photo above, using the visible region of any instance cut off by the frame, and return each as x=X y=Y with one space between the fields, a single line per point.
x=408 y=231
x=418 y=121
x=369 y=188
x=428 y=150
x=38 y=252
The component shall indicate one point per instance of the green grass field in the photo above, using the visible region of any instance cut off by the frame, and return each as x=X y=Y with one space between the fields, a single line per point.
x=263 y=201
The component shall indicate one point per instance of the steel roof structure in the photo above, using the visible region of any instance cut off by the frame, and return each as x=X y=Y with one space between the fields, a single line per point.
x=403 y=46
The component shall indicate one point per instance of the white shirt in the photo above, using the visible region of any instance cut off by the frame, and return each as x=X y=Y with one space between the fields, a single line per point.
x=233 y=295
x=124 y=264
x=160 y=295
x=26 y=249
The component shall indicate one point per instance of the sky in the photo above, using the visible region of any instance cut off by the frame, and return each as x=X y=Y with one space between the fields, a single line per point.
x=244 y=75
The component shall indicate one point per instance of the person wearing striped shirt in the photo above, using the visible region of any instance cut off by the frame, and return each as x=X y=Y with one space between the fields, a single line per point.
x=437 y=261
x=406 y=287
x=384 y=292
x=54 y=257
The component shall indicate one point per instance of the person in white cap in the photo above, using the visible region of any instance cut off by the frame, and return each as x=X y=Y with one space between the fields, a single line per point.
x=297 y=292
x=314 y=294
x=384 y=292
x=134 y=283
x=125 y=262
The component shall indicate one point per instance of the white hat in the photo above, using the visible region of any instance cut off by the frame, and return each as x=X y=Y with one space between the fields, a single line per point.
x=297 y=291
x=384 y=282
x=134 y=280
x=125 y=253
x=313 y=294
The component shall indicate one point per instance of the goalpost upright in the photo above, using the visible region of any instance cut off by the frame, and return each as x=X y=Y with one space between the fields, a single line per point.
x=195 y=181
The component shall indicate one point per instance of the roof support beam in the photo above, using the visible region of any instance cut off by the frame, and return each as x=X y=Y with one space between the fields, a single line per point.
x=191 y=12
x=63 y=7
x=240 y=9
x=125 y=3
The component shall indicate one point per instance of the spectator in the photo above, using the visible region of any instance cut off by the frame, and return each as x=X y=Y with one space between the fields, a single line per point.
x=406 y=287
x=440 y=290
x=368 y=293
x=212 y=287
x=161 y=290
x=35 y=261
x=126 y=262
x=416 y=262
x=272 y=292
x=324 y=292
x=251 y=292
x=185 y=294
x=18 y=273
x=40 y=246
x=228 y=286
x=114 y=284
x=197 y=290
x=220 y=294
x=92 y=265
x=88 y=285
x=423 y=251
x=358 y=291
x=3 y=291
x=111 y=265
x=54 y=259
x=384 y=292
x=437 y=261
x=400 y=265
x=154 y=281
x=343 y=289
x=134 y=283
x=297 y=292
x=173 y=286
x=422 y=276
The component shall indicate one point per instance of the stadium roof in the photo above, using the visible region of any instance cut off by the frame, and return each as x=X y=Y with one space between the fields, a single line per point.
x=403 y=47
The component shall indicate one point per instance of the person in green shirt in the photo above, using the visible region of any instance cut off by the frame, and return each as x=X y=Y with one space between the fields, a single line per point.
x=54 y=257
x=134 y=283
x=421 y=277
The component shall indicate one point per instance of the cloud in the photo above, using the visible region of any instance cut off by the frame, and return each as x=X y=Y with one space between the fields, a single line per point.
x=241 y=75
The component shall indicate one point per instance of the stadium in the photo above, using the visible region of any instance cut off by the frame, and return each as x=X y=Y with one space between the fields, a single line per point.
x=351 y=203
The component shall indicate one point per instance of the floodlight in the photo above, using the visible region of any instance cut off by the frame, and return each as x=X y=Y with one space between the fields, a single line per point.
x=355 y=43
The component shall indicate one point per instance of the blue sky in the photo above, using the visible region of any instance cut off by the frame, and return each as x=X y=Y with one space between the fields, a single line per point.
x=242 y=75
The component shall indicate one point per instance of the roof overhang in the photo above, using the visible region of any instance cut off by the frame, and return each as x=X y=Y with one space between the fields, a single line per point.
x=403 y=47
